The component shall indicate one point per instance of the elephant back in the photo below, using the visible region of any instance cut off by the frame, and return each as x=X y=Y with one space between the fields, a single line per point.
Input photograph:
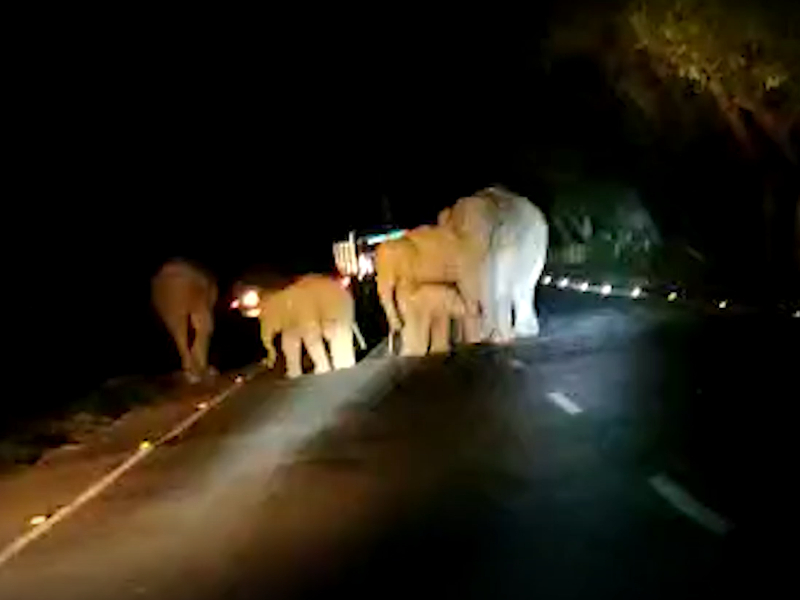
x=183 y=285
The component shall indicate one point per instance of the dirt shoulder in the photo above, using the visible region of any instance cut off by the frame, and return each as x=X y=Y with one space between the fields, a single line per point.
x=47 y=465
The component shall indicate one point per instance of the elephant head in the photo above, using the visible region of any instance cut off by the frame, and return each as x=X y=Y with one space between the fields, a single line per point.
x=253 y=302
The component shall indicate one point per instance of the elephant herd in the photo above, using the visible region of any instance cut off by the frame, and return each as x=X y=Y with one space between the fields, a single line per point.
x=469 y=278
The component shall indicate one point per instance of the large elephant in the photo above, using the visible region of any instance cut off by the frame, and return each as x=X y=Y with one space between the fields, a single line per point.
x=429 y=310
x=512 y=234
x=308 y=310
x=430 y=255
x=184 y=296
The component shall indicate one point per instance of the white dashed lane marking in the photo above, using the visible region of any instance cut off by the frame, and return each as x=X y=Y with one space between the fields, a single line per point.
x=685 y=503
x=564 y=403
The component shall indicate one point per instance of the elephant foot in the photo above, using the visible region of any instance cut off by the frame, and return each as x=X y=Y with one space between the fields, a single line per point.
x=346 y=364
x=192 y=378
x=411 y=353
x=529 y=329
x=499 y=339
x=440 y=349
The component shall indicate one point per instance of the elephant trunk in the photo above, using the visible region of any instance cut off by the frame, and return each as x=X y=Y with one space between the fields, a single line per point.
x=268 y=340
x=386 y=295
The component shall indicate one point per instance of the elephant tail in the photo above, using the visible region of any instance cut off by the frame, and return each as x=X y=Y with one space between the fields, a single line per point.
x=360 y=338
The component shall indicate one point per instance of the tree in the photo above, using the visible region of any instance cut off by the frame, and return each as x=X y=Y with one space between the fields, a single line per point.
x=746 y=55
x=696 y=67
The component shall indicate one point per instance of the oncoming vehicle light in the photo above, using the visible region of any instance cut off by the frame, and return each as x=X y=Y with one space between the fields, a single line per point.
x=547 y=279
x=636 y=292
x=563 y=282
x=723 y=304
x=365 y=266
x=250 y=299
x=606 y=289
x=584 y=286
x=672 y=296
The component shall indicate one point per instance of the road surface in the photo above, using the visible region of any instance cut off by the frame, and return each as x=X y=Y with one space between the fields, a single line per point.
x=630 y=452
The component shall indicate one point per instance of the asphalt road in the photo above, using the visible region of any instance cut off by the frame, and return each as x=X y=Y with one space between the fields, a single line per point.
x=632 y=451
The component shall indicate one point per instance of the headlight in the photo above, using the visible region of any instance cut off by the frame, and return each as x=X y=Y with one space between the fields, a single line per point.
x=250 y=299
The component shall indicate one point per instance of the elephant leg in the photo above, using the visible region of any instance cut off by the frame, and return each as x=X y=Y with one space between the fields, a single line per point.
x=457 y=330
x=340 y=340
x=292 y=353
x=471 y=328
x=178 y=327
x=415 y=336
x=525 y=322
x=440 y=333
x=312 y=338
x=504 y=332
x=203 y=323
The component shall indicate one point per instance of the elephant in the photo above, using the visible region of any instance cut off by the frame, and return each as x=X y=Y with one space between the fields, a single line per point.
x=311 y=308
x=184 y=296
x=428 y=310
x=512 y=234
x=430 y=255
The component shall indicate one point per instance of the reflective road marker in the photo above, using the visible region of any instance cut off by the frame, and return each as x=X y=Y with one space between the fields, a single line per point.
x=40 y=527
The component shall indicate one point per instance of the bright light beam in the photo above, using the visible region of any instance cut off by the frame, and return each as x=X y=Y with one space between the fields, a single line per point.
x=563 y=282
x=606 y=289
x=636 y=292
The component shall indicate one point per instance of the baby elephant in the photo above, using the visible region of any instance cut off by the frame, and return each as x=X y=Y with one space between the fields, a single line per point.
x=311 y=309
x=427 y=310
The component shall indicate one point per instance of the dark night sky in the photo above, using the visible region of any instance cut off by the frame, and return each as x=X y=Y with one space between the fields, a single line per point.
x=236 y=139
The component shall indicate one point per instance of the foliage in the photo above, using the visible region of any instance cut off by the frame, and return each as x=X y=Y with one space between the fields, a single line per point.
x=747 y=55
